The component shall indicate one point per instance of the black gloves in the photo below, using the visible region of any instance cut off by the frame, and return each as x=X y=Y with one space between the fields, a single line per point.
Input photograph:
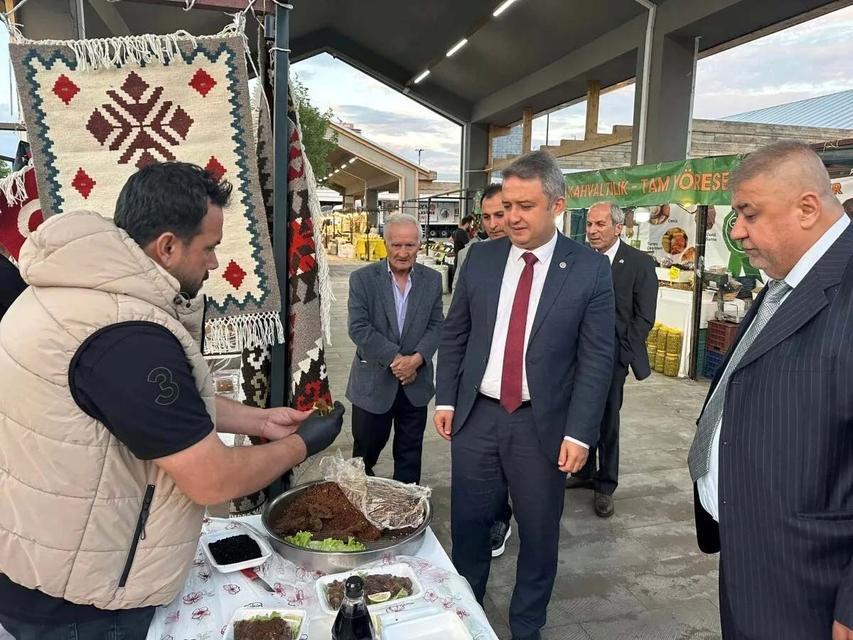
x=318 y=432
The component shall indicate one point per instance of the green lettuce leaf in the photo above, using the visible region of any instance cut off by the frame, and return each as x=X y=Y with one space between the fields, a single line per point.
x=305 y=539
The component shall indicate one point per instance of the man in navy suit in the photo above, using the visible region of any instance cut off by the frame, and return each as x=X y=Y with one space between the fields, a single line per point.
x=394 y=319
x=521 y=396
x=772 y=460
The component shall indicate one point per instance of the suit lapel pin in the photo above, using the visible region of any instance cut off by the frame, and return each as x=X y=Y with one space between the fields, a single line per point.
x=562 y=265
x=622 y=261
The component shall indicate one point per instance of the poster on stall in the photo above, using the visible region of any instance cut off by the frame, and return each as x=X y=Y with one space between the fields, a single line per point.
x=843 y=188
x=670 y=236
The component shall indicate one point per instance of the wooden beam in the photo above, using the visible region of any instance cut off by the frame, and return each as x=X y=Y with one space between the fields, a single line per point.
x=10 y=4
x=527 y=130
x=620 y=135
x=592 y=95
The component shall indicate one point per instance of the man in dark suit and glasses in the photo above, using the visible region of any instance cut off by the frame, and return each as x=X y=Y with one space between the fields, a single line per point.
x=520 y=396
x=394 y=320
x=772 y=460
x=635 y=285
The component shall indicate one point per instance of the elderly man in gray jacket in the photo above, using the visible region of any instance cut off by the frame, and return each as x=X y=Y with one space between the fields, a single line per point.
x=395 y=315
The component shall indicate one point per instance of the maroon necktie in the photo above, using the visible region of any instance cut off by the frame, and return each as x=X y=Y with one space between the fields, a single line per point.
x=514 y=349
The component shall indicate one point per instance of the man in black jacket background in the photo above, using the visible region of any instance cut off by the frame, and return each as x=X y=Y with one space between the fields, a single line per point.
x=635 y=286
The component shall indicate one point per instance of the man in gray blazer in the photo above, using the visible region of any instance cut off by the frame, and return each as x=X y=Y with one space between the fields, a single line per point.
x=521 y=396
x=772 y=460
x=394 y=319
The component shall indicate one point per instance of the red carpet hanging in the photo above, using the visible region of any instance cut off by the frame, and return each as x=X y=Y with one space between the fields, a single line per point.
x=20 y=209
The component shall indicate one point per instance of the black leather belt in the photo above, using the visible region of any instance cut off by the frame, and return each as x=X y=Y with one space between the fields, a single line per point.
x=481 y=396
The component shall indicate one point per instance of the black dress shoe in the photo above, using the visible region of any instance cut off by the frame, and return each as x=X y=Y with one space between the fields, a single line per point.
x=603 y=505
x=532 y=636
x=573 y=482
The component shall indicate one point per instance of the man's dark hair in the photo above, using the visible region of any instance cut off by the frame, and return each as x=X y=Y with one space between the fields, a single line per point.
x=168 y=197
x=848 y=207
x=490 y=191
x=466 y=220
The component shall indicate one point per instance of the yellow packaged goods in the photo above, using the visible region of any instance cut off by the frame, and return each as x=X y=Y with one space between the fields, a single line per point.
x=660 y=361
x=653 y=335
x=673 y=341
x=671 y=364
x=652 y=350
x=663 y=334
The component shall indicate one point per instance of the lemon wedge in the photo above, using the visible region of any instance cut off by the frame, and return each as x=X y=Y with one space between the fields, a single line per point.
x=383 y=596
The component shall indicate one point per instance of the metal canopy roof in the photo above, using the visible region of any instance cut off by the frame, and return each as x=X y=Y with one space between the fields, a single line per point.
x=538 y=53
x=832 y=111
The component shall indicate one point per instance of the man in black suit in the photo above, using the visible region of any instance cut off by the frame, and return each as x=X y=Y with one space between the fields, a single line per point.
x=394 y=320
x=772 y=460
x=520 y=396
x=635 y=285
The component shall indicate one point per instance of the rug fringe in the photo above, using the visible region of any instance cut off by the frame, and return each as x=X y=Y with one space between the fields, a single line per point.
x=112 y=53
x=12 y=187
x=235 y=333
x=324 y=281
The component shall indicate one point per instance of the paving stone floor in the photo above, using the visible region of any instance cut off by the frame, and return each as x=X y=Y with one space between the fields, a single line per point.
x=638 y=575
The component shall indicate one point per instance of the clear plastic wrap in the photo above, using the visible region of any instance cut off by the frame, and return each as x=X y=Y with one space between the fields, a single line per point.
x=387 y=504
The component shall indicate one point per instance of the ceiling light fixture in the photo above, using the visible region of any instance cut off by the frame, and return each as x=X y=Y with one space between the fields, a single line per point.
x=423 y=75
x=353 y=160
x=502 y=7
x=456 y=47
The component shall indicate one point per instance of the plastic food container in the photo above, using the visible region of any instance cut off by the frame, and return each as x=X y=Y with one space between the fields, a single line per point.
x=295 y=617
x=440 y=626
x=242 y=529
x=401 y=570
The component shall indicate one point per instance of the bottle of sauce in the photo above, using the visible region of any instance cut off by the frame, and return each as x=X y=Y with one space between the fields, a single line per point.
x=353 y=621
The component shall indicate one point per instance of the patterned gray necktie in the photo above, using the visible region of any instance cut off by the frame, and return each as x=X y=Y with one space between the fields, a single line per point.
x=699 y=458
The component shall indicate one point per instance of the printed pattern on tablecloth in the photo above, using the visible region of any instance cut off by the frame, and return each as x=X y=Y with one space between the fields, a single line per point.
x=97 y=111
x=209 y=599
x=20 y=209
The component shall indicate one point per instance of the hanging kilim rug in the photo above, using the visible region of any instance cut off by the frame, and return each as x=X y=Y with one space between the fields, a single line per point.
x=20 y=210
x=307 y=279
x=98 y=110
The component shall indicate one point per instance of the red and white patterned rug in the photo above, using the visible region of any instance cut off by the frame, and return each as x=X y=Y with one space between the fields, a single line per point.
x=96 y=111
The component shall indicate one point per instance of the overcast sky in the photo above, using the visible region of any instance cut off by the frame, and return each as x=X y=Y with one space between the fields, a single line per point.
x=811 y=59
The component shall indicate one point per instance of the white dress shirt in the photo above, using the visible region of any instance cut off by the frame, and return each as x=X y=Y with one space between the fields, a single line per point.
x=491 y=384
x=611 y=252
x=708 y=485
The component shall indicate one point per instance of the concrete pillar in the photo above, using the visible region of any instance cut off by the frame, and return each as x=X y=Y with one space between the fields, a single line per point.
x=371 y=205
x=670 y=99
x=475 y=158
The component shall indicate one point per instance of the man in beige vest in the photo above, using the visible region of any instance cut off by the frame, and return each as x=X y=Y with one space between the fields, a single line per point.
x=108 y=420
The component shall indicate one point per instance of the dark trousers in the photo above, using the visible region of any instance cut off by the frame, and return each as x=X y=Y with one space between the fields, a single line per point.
x=605 y=474
x=131 y=624
x=492 y=453
x=370 y=432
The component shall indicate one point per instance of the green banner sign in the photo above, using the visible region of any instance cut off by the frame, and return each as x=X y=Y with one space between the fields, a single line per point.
x=699 y=181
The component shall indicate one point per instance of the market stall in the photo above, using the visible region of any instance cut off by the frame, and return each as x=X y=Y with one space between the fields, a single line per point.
x=674 y=213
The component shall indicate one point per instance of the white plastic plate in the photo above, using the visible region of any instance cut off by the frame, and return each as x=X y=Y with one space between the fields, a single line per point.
x=243 y=529
x=296 y=617
x=401 y=570
x=440 y=626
